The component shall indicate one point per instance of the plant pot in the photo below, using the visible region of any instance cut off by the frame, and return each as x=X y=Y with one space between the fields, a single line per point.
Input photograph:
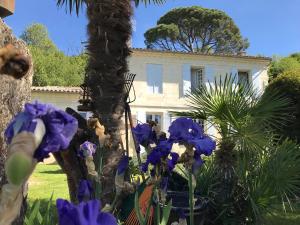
x=7 y=7
x=180 y=201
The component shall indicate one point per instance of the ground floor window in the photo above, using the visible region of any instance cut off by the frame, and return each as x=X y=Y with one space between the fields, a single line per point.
x=243 y=77
x=154 y=117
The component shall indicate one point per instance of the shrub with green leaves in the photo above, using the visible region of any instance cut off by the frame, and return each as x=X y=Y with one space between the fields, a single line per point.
x=288 y=84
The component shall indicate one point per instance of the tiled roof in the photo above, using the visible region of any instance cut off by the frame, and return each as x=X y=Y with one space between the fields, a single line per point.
x=57 y=89
x=202 y=54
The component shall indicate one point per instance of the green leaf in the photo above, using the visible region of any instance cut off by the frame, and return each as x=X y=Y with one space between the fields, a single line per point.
x=166 y=213
x=33 y=213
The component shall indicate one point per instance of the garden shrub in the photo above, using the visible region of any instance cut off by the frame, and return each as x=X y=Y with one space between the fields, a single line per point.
x=288 y=84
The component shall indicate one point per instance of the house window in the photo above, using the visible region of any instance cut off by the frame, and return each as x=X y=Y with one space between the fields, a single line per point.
x=154 y=117
x=154 y=78
x=243 y=77
x=196 y=79
x=83 y=114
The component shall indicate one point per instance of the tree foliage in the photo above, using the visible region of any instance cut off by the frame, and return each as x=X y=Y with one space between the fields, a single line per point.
x=288 y=83
x=51 y=66
x=196 y=29
x=282 y=65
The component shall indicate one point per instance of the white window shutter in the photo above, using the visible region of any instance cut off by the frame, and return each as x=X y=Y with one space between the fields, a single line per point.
x=154 y=78
x=209 y=76
x=234 y=74
x=256 y=79
x=141 y=116
x=186 y=79
x=167 y=121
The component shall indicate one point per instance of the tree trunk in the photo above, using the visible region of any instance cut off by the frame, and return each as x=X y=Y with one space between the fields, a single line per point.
x=109 y=31
x=13 y=95
x=230 y=195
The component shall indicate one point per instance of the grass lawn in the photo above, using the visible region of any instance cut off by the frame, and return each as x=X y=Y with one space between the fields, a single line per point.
x=48 y=179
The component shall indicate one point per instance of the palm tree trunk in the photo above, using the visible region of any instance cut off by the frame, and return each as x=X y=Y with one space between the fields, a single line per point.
x=230 y=196
x=13 y=95
x=109 y=31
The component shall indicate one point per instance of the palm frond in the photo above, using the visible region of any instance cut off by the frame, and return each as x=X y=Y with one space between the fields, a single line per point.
x=272 y=110
x=274 y=179
x=237 y=111
x=71 y=4
x=147 y=2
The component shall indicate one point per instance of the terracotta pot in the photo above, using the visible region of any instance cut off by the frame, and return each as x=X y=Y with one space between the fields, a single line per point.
x=7 y=7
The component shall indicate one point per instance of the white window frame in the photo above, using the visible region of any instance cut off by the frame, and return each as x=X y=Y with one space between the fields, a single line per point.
x=197 y=78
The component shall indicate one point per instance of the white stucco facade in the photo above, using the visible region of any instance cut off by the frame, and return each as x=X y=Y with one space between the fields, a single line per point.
x=176 y=70
x=162 y=79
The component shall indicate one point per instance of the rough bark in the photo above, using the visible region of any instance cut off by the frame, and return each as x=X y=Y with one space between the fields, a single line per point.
x=13 y=94
x=109 y=31
x=73 y=166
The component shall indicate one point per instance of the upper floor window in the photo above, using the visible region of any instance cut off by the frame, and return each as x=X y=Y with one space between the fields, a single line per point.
x=243 y=77
x=196 y=78
x=154 y=78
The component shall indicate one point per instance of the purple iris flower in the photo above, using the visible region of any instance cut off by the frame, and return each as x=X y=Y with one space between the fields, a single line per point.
x=60 y=127
x=144 y=134
x=204 y=146
x=85 y=213
x=154 y=158
x=164 y=147
x=85 y=191
x=123 y=165
x=198 y=162
x=87 y=149
x=185 y=130
x=173 y=161
x=144 y=166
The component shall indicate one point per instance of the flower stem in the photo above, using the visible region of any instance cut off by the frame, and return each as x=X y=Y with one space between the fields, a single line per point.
x=191 y=198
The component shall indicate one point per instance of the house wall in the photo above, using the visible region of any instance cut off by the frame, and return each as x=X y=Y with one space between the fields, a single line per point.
x=59 y=100
x=176 y=70
x=176 y=81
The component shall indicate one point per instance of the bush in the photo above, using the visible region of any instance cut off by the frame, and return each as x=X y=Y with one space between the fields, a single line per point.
x=287 y=64
x=288 y=84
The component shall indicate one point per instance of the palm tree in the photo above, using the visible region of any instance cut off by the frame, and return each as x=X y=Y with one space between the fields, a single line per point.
x=247 y=149
x=109 y=30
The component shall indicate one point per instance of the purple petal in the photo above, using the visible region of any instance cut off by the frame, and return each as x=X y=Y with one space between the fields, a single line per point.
x=204 y=146
x=144 y=134
x=154 y=157
x=85 y=191
x=106 y=219
x=198 y=162
x=173 y=161
x=85 y=213
x=184 y=129
x=87 y=149
x=123 y=165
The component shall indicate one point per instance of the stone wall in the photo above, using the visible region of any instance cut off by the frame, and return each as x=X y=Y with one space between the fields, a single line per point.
x=13 y=93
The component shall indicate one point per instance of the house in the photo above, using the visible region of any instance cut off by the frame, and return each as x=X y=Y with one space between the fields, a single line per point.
x=163 y=78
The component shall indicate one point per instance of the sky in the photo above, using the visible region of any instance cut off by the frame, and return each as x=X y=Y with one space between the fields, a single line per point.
x=272 y=26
